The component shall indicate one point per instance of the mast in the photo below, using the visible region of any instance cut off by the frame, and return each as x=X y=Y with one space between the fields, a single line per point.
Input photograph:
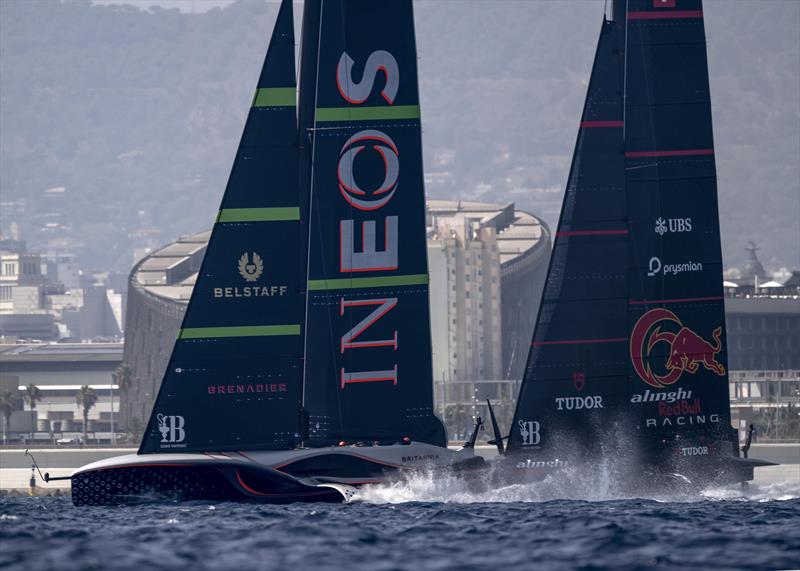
x=233 y=379
x=307 y=99
x=368 y=370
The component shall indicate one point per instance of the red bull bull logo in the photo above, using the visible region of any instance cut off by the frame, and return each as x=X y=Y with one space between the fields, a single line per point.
x=688 y=351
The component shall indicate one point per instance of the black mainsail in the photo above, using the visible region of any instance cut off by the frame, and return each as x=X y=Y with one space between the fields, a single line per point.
x=629 y=348
x=234 y=378
x=368 y=370
x=676 y=307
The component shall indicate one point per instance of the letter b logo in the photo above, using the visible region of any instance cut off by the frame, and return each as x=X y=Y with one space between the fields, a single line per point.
x=529 y=430
x=171 y=428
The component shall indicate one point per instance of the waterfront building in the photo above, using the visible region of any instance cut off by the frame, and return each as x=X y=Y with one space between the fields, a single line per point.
x=59 y=370
x=44 y=299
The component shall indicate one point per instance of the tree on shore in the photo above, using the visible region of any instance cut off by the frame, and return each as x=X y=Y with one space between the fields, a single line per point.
x=32 y=396
x=86 y=399
x=8 y=403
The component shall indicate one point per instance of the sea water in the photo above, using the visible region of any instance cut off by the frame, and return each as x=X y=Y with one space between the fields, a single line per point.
x=419 y=524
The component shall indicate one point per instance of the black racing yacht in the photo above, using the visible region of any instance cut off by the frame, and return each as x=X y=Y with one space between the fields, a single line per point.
x=628 y=362
x=303 y=365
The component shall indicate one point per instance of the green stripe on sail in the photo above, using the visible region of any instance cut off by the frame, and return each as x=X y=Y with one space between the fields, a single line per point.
x=358 y=283
x=367 y=113
x=258 y=214
x=238 y=331
x=275 y=97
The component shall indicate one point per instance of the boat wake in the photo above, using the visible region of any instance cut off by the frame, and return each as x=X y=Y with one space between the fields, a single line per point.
x=600 y=485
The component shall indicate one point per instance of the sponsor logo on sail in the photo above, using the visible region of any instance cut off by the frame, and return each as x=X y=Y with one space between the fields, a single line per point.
x=251 y=267
x=579 y=403
x=670 y=397
x=694 y=451
x=366 y=257
x=382 y=144
x=690 y=420
x=251 y=270
x=542 y=463
x=688 y=351
x=251 y=291
x=656 y=267
x=247 y=389
x=172 y=430
x=674 y=408
x=529 y=431
x=673 y=225
x=680 y=408
x=579 y=381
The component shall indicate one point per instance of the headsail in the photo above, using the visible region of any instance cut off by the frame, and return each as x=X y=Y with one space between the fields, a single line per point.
x=368 y=370
x=629 y=340
x=233 y=380
x=577 y=365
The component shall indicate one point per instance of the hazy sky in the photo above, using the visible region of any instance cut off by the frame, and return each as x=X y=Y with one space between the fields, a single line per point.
x=518 y=77
x=182 y=5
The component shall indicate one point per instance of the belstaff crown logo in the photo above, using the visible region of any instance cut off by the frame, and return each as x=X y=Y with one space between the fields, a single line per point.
x=251 y=271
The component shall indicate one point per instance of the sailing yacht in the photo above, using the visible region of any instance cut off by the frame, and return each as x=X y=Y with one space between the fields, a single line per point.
x=628 y=362
x=302 y=368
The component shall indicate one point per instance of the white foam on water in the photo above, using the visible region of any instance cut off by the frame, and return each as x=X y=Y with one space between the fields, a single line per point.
x=479 y=487
x=597 y=484
x=780 y=490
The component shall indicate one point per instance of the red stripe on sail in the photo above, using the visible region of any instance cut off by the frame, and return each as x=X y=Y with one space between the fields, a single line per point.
x=600 y=124
x=579 y=341
x=591 y=233
x=680 y=153
x=676 y=15
x=675 y=300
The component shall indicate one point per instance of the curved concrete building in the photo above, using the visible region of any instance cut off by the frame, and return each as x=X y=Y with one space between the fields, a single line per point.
x=487 y=264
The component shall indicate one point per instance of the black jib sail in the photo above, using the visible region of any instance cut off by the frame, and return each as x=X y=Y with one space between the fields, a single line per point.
x=578 y=361
x=234 y=377
x=368 y=369
x=629 y=340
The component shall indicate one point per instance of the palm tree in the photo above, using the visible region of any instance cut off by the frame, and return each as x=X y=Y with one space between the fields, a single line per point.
x=86 y=398
x=8 y=404
x=32 y=396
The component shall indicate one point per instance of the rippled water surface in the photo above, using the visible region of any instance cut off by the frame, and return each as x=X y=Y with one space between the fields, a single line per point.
x=386 y=529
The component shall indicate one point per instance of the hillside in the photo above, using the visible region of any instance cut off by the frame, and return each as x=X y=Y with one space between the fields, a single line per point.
x=137 y=114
